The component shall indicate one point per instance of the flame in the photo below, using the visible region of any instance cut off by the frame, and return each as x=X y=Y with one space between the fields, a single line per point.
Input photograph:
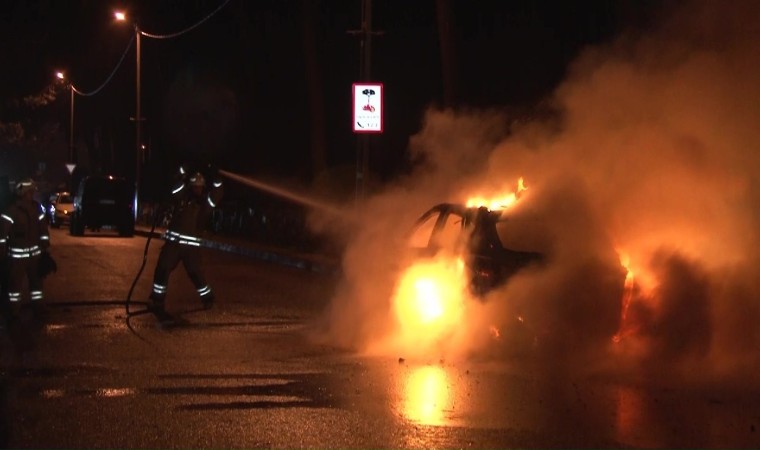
x=429 y=301
x=625 y=261
x=639 y=286
x=500 y=201
x=430 y=297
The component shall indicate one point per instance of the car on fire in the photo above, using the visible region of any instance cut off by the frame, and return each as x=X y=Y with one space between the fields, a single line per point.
x=475 y=230
x=494 y=245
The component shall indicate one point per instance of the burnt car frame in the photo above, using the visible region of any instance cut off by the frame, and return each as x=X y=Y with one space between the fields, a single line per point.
x=455 y=226
x=496 y=246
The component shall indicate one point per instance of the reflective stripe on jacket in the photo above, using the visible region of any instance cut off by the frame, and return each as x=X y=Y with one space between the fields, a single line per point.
x=24 y=229
x=184 y=239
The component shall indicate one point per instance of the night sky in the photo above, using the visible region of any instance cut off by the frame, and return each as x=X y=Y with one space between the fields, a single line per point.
x=264 y=87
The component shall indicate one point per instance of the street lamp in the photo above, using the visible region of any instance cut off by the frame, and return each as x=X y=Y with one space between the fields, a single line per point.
x=122 y=17
x=61 y=76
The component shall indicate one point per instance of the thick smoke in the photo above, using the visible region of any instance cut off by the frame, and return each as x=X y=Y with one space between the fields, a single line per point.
x=654 y=155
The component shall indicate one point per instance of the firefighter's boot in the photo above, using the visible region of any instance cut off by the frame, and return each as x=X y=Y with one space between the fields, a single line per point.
x=156 y=307
x=208 y=301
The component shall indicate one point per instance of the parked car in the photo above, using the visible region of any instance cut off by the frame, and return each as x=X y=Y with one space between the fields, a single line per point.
x=104 y=202
x=61 y=208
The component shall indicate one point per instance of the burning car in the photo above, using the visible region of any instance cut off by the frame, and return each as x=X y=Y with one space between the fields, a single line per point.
x=463 y=251
x=471 y=231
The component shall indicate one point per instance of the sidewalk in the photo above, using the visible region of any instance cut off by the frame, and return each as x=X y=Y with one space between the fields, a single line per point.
x=306 y=261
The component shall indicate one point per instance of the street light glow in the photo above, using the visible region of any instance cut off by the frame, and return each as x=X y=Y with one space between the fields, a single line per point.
x=60 y=75
x=119 y=15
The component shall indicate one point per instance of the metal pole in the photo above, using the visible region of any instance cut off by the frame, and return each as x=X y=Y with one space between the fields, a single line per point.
x=138 y=119
x=362 y=157
x=367 y=77
x=365 y=65
x=71 y=126
x=367 y=19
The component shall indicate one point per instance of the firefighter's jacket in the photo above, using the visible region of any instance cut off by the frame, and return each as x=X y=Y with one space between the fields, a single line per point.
x=24 y=230
x=191 y=213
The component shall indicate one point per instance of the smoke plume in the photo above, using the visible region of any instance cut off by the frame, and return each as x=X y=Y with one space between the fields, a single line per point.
x=653 y=157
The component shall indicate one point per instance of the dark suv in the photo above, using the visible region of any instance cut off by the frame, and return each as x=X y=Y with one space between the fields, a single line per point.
x=103 y=202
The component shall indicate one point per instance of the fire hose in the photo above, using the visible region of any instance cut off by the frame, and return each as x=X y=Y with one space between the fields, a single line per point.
x=128 y=303
x=140 y=271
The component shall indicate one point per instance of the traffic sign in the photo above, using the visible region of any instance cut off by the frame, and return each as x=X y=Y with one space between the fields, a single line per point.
x=368 y=107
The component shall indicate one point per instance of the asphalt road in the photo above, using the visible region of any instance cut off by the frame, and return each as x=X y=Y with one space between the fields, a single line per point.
x=249 y=374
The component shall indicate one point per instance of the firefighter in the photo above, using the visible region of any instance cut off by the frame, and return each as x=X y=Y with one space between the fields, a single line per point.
x=24 y=236
x=191 y=206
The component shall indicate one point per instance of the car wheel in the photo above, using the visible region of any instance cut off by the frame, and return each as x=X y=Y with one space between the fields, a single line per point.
x=76 y=228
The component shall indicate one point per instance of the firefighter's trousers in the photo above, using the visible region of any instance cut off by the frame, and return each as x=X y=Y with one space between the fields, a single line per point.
x=171 y=254
x=20 y=271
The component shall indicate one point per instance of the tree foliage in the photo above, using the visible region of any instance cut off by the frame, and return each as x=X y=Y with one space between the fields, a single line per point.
x=24 y=119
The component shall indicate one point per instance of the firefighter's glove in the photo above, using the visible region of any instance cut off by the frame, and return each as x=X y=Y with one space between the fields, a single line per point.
x=47 y=265
x=181 y=175
x=211 y=171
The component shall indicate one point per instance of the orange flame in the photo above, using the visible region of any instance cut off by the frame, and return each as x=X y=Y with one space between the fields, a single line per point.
x=498 y=202
x=628 y=287
x=431 y=295
x=429 y=301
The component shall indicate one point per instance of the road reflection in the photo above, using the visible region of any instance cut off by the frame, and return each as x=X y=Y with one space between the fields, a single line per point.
x=576 y=411
x=428 y=395
x=629 y=417
x=669 y=418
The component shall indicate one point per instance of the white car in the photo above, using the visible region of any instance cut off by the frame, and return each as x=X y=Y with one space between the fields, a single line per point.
x=61 y=207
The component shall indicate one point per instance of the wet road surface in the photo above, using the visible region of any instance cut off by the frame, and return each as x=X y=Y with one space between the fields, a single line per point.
x=249 y=374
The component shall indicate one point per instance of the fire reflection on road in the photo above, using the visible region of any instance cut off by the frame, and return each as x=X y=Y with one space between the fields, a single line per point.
x=427 y=395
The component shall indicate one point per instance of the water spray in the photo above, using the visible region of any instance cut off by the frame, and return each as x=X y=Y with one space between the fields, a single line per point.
x=280 y=192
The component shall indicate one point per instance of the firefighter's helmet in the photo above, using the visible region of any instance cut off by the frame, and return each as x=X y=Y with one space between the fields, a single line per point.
x=197 y=180
x=25 y=185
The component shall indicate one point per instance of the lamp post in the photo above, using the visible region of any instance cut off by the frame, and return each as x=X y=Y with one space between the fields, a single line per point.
x=71 y=125
x=61 y=76
x=120 y=16
x=138 y=120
